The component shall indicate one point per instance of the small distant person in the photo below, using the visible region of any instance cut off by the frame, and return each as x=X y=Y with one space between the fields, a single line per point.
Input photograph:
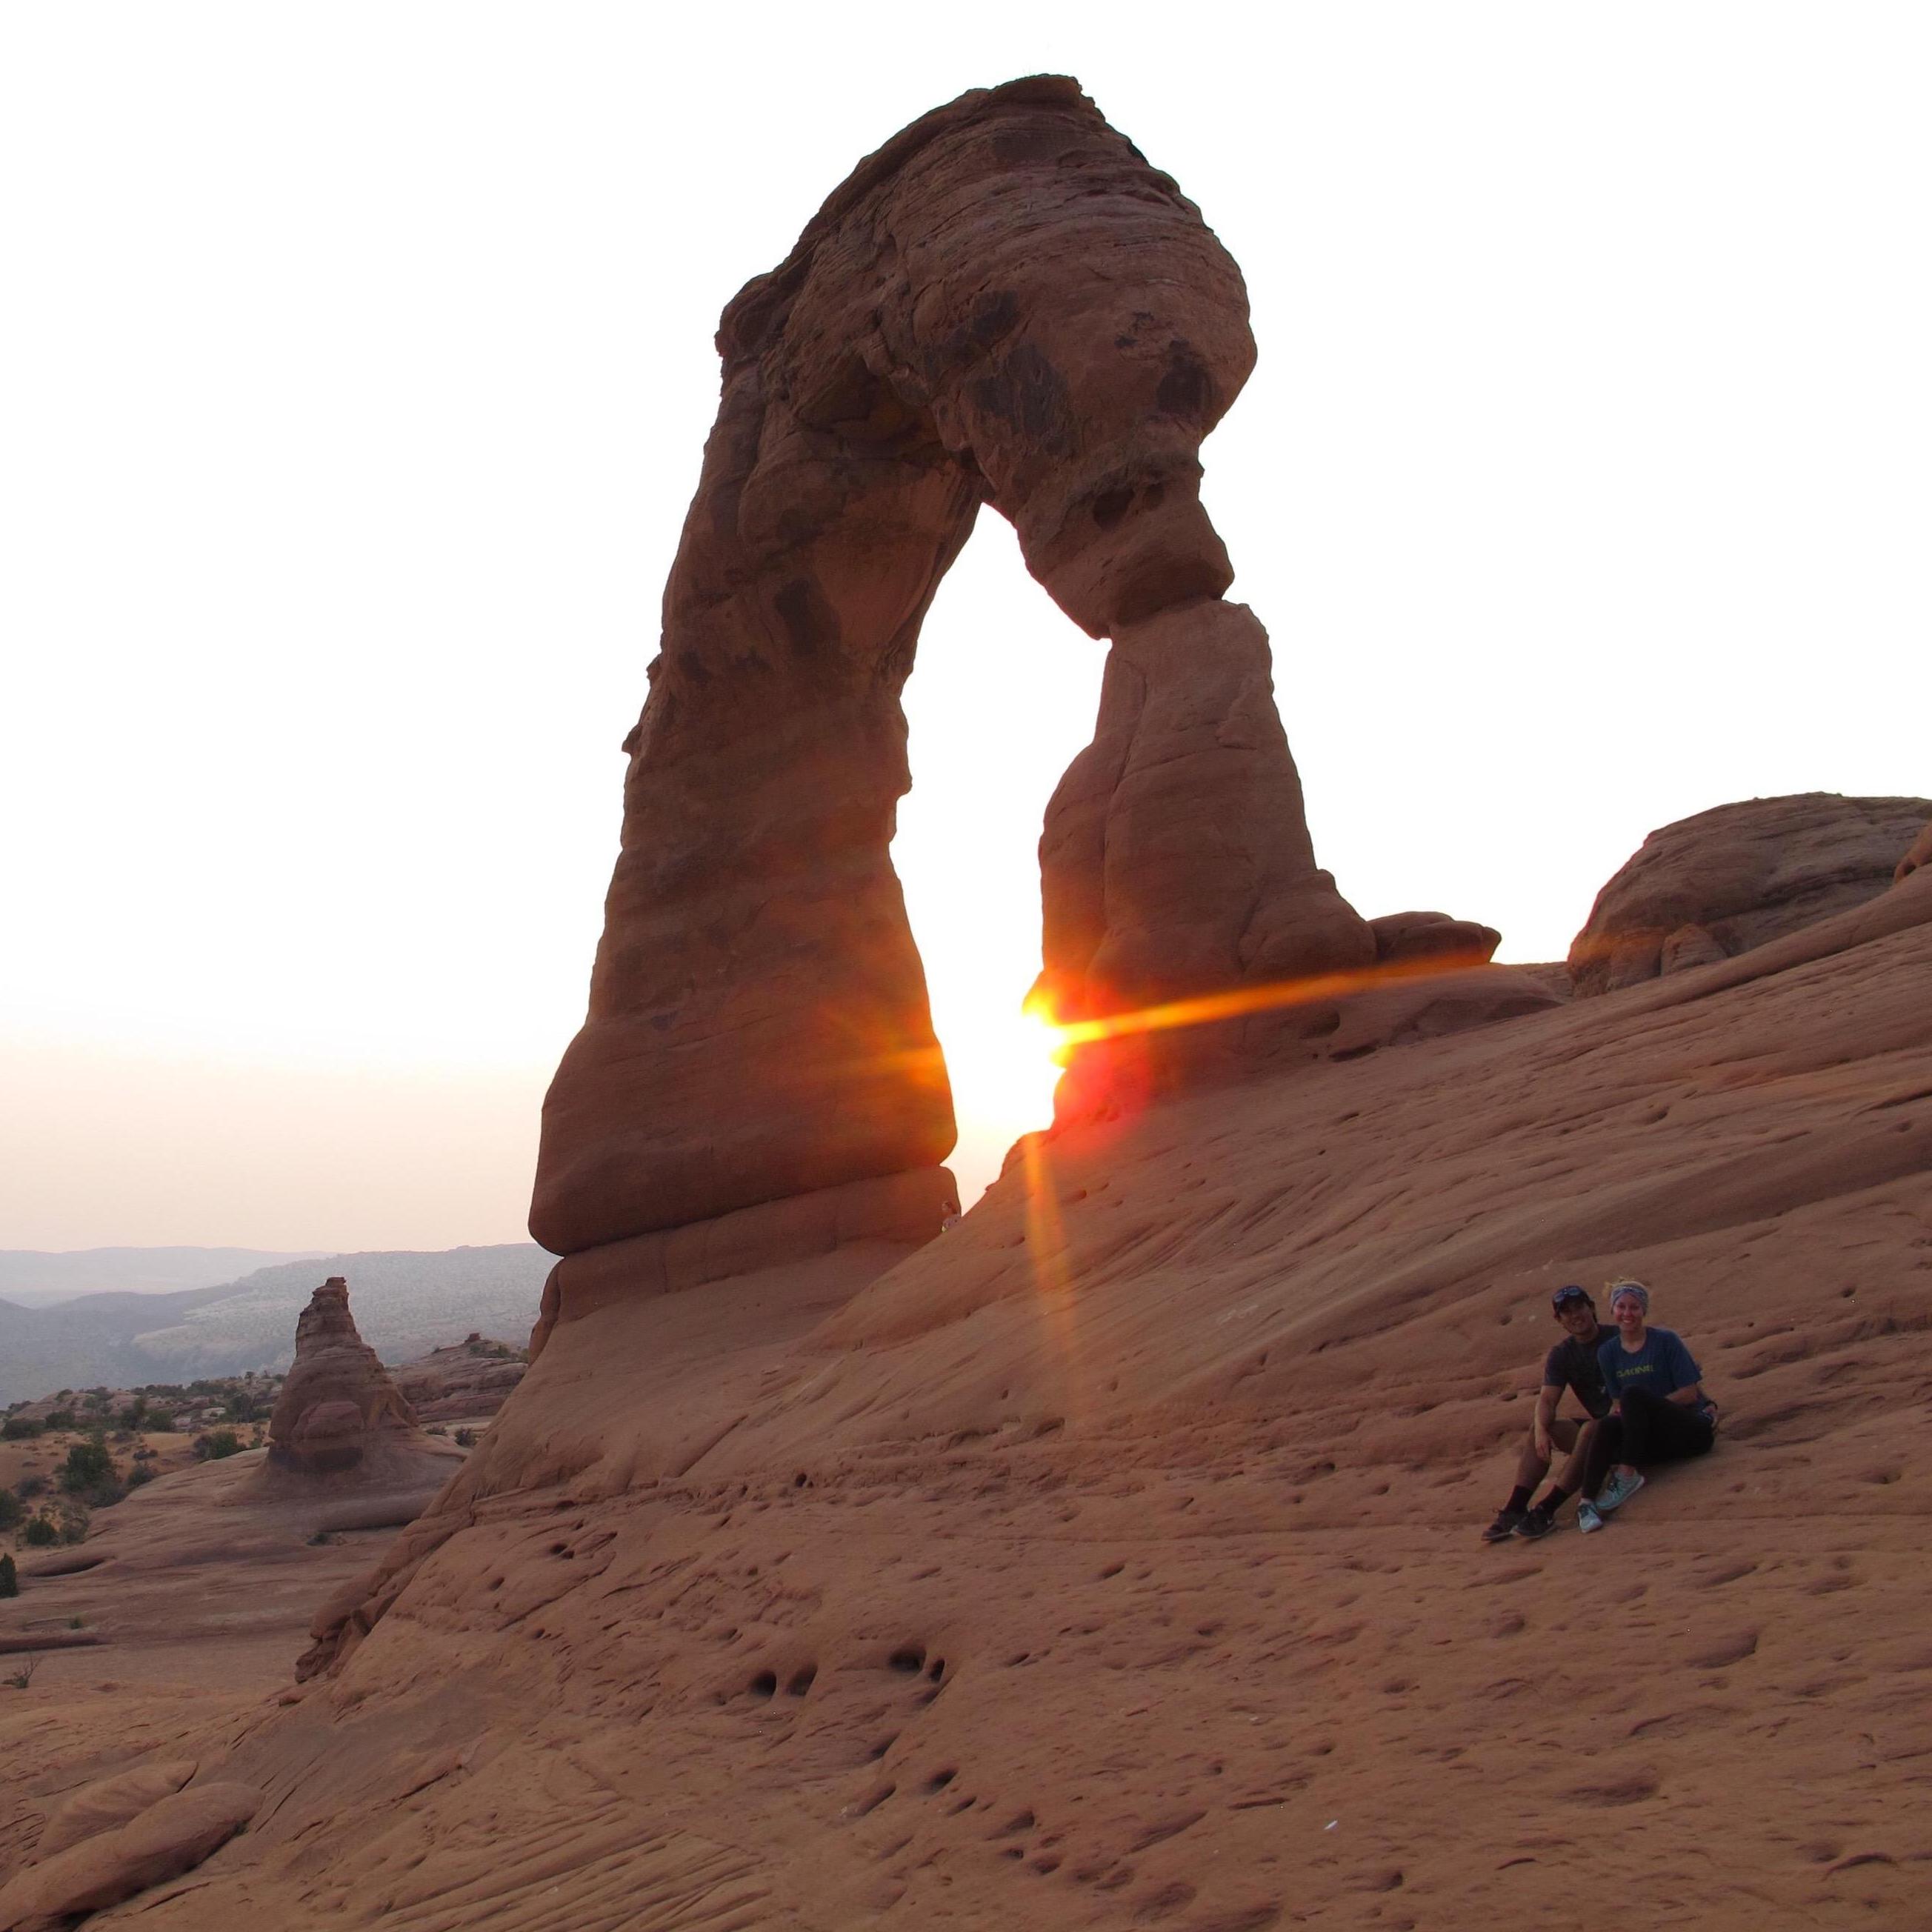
x=1659 y=1412
x=1572 y=1363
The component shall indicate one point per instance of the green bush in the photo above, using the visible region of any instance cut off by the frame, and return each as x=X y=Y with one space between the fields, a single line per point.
x=19 y=1428
x=161 y=1421
x=9 y=1578
x=466 y=1438
x=142 y=1472
x=40 y=1530
x=30 y=1486
x=10 y=1511
x=218 y=1443
x=61 y=1418
x=88 y=1465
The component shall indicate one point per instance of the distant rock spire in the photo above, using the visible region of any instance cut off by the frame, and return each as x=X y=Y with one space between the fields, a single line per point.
x=338 y=1402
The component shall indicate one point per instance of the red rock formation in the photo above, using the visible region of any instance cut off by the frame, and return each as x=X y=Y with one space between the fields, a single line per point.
x=158 y=1843
x=1709 y=887
x=338 y=1410
x=467 y=1381
x=1005 y=304
x=1433 y=935
x=1921 y=854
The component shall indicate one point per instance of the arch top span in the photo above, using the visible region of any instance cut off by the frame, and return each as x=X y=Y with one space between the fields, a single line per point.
x=1005 y=304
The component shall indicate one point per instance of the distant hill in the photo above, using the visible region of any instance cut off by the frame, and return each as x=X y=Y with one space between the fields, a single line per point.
x=405 y=1305
x=31 y=1278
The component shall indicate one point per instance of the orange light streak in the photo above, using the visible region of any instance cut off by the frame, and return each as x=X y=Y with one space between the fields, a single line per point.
x=1203 y=1009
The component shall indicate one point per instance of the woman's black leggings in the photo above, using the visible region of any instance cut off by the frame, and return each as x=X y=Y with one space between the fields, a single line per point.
x=1650 y=1429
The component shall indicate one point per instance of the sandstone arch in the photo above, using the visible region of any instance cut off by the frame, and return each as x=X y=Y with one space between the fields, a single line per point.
x=1005 y=304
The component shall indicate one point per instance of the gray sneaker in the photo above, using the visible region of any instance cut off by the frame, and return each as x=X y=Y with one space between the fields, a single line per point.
x=1617 y=1491
x=1587 y=1518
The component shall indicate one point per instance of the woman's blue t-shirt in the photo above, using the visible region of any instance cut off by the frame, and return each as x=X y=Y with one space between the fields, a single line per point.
x=1663 y=1364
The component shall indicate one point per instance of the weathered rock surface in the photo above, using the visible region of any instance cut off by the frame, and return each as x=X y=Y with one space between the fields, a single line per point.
x=339 y=1415
x=1433 y=935
x=1130 y=1525
x=111 y=1803
x=1714 y=886
x=1920 y=854
x=1005 y=304
x=168 y=1838
x=1176 y=862
x=468 y=1380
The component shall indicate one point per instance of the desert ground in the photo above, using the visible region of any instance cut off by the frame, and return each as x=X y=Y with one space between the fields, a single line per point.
x=1113 y=1559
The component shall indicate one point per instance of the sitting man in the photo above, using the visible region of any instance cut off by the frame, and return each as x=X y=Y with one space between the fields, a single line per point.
x=1573 y=1364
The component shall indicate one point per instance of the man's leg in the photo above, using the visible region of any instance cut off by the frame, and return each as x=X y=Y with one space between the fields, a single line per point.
x=1583 y=1439
x=1531 y=1466
x=1541 y=1518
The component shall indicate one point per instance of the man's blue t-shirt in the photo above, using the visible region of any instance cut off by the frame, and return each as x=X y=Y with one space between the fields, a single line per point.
x=1663 y=1364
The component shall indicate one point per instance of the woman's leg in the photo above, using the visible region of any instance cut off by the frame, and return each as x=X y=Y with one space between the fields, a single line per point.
x=1656 y=1430
x=1606 y=1447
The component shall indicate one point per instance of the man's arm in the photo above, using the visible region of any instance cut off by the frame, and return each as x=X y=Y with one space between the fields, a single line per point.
x=1547 y=1399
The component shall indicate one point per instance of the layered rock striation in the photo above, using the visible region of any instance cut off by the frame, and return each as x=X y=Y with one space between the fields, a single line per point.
x=1711 y=886
x=1005 y=304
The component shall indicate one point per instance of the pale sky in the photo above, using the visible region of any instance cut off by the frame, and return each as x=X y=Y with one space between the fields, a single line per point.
x=355 y=367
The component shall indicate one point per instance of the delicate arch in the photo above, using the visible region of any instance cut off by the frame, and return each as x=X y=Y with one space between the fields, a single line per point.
x=1005 y=304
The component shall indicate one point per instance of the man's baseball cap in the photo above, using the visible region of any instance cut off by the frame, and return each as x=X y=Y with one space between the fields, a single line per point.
x=1568 y=1298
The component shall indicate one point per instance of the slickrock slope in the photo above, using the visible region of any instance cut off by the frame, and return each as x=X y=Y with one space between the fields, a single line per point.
x=1708 y=887
x=1005 y=304
x=1111 y=1560
x=467 y=1381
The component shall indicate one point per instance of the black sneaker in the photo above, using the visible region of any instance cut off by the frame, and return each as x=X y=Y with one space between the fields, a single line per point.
x=1535 y=1522
x=1508 y=1524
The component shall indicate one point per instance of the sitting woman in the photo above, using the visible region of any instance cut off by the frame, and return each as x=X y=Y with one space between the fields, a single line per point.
x=1659 y=1413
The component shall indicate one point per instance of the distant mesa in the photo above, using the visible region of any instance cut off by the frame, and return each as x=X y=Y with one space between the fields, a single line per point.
x=1709 y=887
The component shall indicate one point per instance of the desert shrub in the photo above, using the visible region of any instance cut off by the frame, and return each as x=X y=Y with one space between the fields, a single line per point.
x=466 y=1438
x=321 y=1537
x=29 y=1486
x=134 y=1416
x=19 y=1428
x=10 y=1511
x=142 y=1472
x=216 y=1444
x=88 y=1465
x=161 y=1421
x=40 y=1530
x=60 y=1418
x=10 y=1577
